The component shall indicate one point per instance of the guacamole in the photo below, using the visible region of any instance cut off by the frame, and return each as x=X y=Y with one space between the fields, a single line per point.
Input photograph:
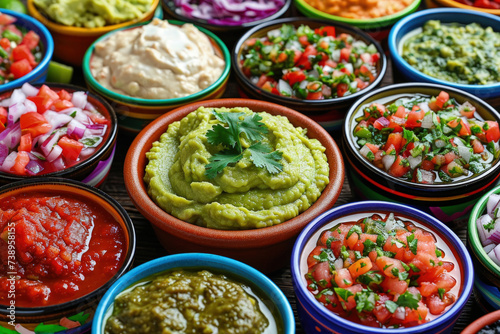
x=189 y=302
x=92 y=13
x=464 y=54
x=242 y=195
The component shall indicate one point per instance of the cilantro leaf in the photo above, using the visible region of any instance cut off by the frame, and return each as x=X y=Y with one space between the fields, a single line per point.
x=391 y=306
x=253 y=128
x=220 y=135
x=409 y=300
x=343 y=293
x=365 y=301
x=262 y=157
x=220 y=161
x=441 y=292
x=412 y=243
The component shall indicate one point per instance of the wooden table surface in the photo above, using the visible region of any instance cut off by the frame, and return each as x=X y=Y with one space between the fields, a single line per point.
x=149 y=248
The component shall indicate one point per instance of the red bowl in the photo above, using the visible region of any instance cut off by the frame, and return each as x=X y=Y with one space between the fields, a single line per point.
x=266 y=249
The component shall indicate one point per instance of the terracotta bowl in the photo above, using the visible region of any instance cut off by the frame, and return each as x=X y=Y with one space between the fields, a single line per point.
x=456 y=4
x=81 y=306
x=329 y=113
x=70 y=43
x=266 y=249
x=95 y=168
x=485 y=320
x=135 y=113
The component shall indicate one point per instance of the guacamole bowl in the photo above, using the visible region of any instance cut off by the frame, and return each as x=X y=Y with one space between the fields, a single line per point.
x=269 y=298
x=406 y=175
x=326 y=238
x=267 y=248
x=377 y=27
x=134 y=113
x=57 y=130
x=296 y=84
x=70 y=43
x=404 y=72
x=38 y=73
x=70 y=225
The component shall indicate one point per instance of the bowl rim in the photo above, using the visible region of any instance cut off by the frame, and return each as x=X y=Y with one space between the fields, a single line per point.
x=473 y=236
x=455 y=4
x=229 y=239
x=429 y=221
x=82 y=31
x=91 y=81
x=167 y=4
x=130 y=231
x=235 y=268
x=414 y=21
x=48 y=50
x=347 y=135
x=110 y=142
x=378 y=22
x=353 y=31
x=481 y=322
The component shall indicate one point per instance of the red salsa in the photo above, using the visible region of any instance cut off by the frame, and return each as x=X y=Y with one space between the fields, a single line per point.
x=65 y=247
x=382 y=271
x=20 y=50
x=44 y=130
x=310 y=64
x=426 y=139
x=488 y=4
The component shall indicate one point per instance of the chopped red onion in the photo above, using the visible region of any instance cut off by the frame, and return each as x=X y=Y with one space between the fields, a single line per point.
x=15 y=111
x=388 y=160
x=9 y=161
x=33 y=167
x=49 y=143
x=16 y=97
x=76 y=129
x=59 y=163
x=4 y=151
x=383 y=121
x=30 y=106
x=55 y=153
x=79 y=99
x=57 y=119
x=29 y=90
x=495 y=254
x=492 y=204
x=483 y=234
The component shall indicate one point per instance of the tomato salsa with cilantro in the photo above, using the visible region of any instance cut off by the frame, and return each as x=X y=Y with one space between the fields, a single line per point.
x=383 y=271
x=20 y=50
x=310 y=64
x=427 y=140
x=65 y=247
x=44 y=130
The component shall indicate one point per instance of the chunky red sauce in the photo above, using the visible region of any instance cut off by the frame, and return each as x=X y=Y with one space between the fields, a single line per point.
x=65 y=248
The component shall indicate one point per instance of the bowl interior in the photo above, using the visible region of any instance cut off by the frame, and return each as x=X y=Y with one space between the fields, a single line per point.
x=374 y=23
x=452 y=246
x=413 y=22
x=108 y=140
x=219 y=48
x=93 y=197
x=391 y=93
x=262 y=30
x=136 y=161
x=272 y=297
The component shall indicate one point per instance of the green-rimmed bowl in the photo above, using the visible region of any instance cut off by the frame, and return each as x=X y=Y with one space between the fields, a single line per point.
x=486 y=269
x=135 y=113
x=378 y=28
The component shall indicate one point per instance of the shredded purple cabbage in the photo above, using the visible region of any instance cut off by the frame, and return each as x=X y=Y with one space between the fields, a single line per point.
x=228 y=12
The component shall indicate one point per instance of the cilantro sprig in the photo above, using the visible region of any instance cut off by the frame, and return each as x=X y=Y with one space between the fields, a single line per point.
x=228 y=135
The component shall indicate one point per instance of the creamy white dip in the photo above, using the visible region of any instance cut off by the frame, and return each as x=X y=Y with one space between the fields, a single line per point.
x=156 y=61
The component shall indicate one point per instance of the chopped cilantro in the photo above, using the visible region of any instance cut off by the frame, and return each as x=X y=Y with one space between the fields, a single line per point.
x=412 y=243
x=365 y=300
x=441 y=292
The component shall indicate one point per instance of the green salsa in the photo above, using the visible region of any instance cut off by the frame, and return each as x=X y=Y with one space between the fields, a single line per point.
x=463 y=54
x=183 y=301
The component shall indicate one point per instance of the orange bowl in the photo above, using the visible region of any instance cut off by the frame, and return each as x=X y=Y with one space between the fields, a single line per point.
x=267 y=248
x=70 y=43
x=456 y=4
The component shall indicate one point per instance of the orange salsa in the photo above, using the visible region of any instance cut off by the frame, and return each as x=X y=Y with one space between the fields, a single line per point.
x=360 y=9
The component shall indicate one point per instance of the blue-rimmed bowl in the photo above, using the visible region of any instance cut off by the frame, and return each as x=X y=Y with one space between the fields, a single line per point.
x=403 y=70
x=135 y=113
x=39 y=73
x=316 y=318
x=264 y=288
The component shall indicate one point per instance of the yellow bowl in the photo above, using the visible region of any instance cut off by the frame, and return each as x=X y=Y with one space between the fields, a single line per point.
x=456 y=4
x=70 y=43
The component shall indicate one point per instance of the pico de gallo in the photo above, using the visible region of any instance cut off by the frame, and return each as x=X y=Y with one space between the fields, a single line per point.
x=310 y=64
x=44 y=130
x=20 y=50
x=427 y=140
x=382 y=271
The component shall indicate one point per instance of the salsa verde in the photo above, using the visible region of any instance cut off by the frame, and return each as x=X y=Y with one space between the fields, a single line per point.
x=426 y=139
x=463 y=54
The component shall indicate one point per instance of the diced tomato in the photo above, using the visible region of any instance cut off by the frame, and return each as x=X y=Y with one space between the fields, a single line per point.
x=438 y=160
x=427 y=165
x=380 y=311
x=34 y=123
x=477 y=146
x=361 y=84
x=360 y=267
x=441 y=99
x=343 y=278
x=427 y=289
x=389 y=266
x=6 y=19
x=325 y=31
x=71 y=148
x=345 y=53
x=5 y=43
x=415 y=118
x=270 y=87
x=378 y=124
x=394 y=286
x=31 y=40
x=350 y=303
x=304 y=61
x=20 y=68
x=25 y=143
x=46 y=91
x=22 y=159
x=445 y=281
x=294 y=77
x=315 y=95
x=365 y=71
x=400 y=167
x=416 y=317
x=321 y=274
x=42 y=103
x=396 y=123
x=374 y=148
x=493 y=131
x=312 y=258
x=303 y=40
x=449 y=157
x=437 y=305
x=424 y=261
x=59 y=105
x=3 y=115
x=64 y=95
x=331 y=302
x=23 y=52
x=453 y=169
x=342 y=88
x=400 y=112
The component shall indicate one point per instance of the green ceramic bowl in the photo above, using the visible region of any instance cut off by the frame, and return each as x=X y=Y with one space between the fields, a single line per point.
x=488 y=270
x=135 y=113
x=378 y=28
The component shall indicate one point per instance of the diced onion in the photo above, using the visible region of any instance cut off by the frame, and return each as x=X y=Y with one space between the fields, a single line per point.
x=79 y=99
x=388 y=160
x=284 y=88
x=55 y=153
x=427 y=121
x=482 y=232
x=465 y=152
x=364 y=151
x=383 y=121
x=49 y=143
x=492 y=204
x=439 y=143
x=33 y=167
x=414 y=161
x=4 y=151
x=9 y=161
x=29 y=90
x=495 y=254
